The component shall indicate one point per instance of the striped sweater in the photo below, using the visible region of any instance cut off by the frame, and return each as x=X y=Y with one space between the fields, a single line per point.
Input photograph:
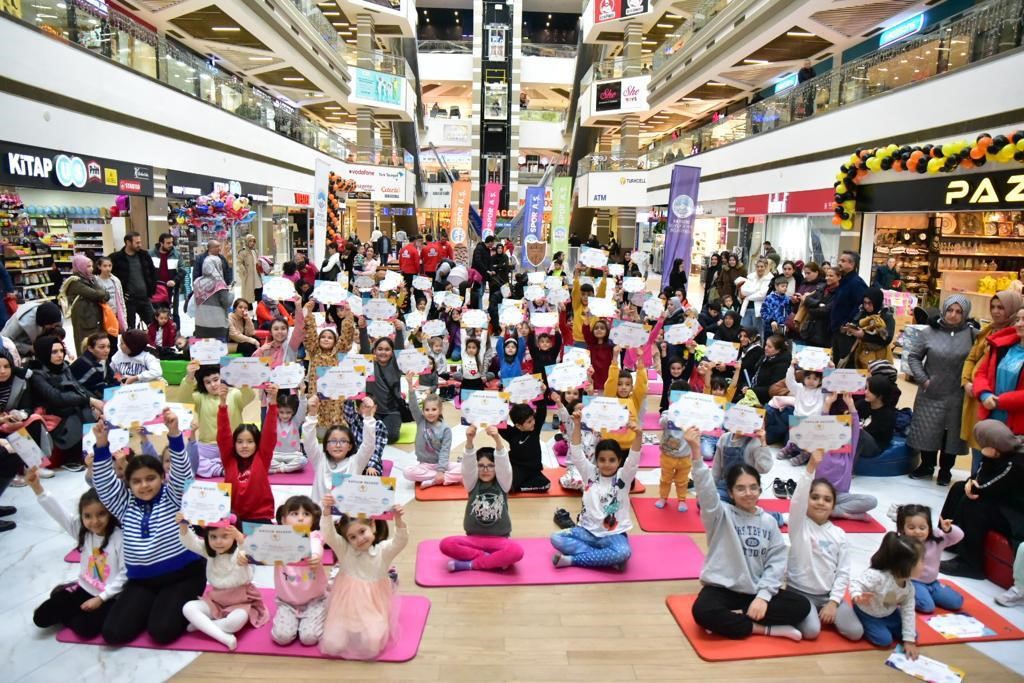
x=152 y=543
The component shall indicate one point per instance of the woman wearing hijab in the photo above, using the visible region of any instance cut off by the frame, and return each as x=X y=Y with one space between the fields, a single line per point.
x=84 y=296
x=386 y=387
x=730 y=270
x=815 y=330
x=729 y=328
x=711 y=280
x=212 y=299
x=1002 y=311
x=873 y=327
x=935 y=363
x=677 y=278
x=67 y=404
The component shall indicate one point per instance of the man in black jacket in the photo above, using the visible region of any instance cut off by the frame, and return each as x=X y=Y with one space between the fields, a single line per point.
x=134 y=268
x=483 y=264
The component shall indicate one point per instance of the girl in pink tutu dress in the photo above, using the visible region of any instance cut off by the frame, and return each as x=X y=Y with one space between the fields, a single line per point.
x=231 y=601
x=362 y=612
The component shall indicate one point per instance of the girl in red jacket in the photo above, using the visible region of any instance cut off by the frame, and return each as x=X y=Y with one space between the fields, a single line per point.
x=998 y=379
x=246 y=458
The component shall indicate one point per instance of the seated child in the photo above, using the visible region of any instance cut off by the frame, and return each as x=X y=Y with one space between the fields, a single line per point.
x=433 y=443
x=805 y=398
x=163 y=335
x=915 y=521
x=300 y=587
x=291 y=412
x=883 y=596
x=523 y=438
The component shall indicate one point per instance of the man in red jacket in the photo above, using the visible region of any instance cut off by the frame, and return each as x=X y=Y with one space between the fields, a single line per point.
x=410 y=265
x=445 y=245
x=431 y=258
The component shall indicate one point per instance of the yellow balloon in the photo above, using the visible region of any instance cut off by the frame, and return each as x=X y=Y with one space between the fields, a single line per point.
x=840 y=188
x=181 y=220
x=846 y=225
x=934 y=165
x=849 y=205
x=892 y=148
x=874 y=164
x=1005 y=154
x=948 y=149
x=1020 y=145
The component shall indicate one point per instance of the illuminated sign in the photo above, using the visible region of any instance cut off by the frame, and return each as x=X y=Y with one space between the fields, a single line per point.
x=901 y=30
x=787 y=82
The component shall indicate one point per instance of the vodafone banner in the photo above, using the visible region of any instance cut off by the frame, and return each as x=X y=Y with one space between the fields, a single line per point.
x=386 y=184
x=613 y=188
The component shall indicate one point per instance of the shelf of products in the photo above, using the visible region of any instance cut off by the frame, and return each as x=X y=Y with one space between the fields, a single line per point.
x=981 y=241
x=909 y=239
x=31 y=271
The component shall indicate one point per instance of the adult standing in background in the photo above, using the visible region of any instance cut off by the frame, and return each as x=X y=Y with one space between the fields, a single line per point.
x=213 y=248
x=170 y=270
x=400 y=240
x=846 y=302
x=447 y=250
x=677 y=278
x=248 y=278
x=212 y=299
x=431 y=256
x=115 y=290
x=330 y=269
x=84 y=296
x=935 y=362
x=752 y=291
x=731 y=270
x=410 y=264
x=886 y=276
x=711 y=279
x=6 y=290
x=134 y=267
x=383 y=246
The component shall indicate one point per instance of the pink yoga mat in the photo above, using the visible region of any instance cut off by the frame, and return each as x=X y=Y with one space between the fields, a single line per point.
x=650 y=421
x=303 y=477
x=73 y=556
x=654 y=388
x=650 y=456
x=655 y=558
x=669 y=520
x=412 y=622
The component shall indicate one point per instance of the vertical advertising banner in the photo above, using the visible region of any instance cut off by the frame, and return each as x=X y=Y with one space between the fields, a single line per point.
x=533 y=227
x=682 y=206
x=492 y=199
x=561 y=207
x=459 y=232
x=321 y=171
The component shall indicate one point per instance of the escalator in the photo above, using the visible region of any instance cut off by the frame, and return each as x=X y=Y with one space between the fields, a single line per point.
x=583 y=139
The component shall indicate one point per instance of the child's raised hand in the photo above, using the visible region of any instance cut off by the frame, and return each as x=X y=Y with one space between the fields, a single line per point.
x=368 y=407
x=99 y=430
x=271 y=390
x=692 y=435
x=816 y=457
x=946 y=525
x=32 y=479
x=399 y=516
x=243 y=560
x=179 y=517
x=410 y=377
x=326 y=504
x=170 y=421
x=192 y=368
x=492 y=432
x=313 y=404
x=315 y=562
x=236 y=534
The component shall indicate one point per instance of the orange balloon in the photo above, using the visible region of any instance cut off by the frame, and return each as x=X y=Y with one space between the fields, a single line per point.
x=984 y=142
x=860 y=174
x=967 y=163
x=897 y=165
x=977 y=152
x=836 y=220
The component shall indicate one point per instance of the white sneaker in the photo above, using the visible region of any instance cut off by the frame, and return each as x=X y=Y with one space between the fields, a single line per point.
x=1011 y=598
x=18 y=482
x=45 y=473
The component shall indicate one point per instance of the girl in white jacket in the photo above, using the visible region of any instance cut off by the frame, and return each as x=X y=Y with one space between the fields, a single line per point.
x=883 y=596
x=753 y=289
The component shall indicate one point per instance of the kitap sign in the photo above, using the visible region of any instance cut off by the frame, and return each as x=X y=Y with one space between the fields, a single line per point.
x=623 y=95
x=27 y=166
x=610 y=10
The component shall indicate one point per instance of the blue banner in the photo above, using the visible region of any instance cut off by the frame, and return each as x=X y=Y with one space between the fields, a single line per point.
x=682 y=207
x=533 y=224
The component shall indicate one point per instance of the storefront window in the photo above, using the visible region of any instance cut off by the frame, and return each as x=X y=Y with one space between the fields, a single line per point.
x=808 y=238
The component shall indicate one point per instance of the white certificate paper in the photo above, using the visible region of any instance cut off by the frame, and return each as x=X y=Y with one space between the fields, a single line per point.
x=26 y=448
x=594 y=258
x=604 y=412
x=379 y=309
x=845 y=380
x=207 y=351
x=722 y=352
x=421 y=283
x=116 y=438
x=133 y=403
x=633 y=284
x=413 y=319
x=340 y=382
x=524 y=388
x=510 y=315
x=576 y=354
x=653 y=307
x=681 y=333
x=831 y=432
x=364 y=283
x=453 y=300
x=391 y=281
x=744 y=420
x=602 y=308
x=812 y=358
x=536 y=277
x=534 y=292
x=484 y=408
x=616 y=269
x=544 y=319
x=245 y=372
x=361 y=495
x=287 y=376
x=279 y=289
x=629 y=335
x=376 y=329
x=553 y=282
x=412 y=360
x=558 y=296
x=474 y=318
x=690 y=409
x=206 y=502
x=566 y=375
x=269 y=544
x=354 y=303
x=434 y=328
x=328 y=293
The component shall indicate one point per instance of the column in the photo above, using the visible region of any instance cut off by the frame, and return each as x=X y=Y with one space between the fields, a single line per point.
x=364 y=115
x=629 y=134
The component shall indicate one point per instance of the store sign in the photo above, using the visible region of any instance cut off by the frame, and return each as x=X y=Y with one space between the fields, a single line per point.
x=438 y=195
x=380 y=183
x=614 y=188
x=901 y=30
x=38 y=167
x=182 y=184
x=799 y=202
x=284 y=197
x=969 y=192
x=610 y=10
x=786 y=83
x=376 y=88
x=623 y=95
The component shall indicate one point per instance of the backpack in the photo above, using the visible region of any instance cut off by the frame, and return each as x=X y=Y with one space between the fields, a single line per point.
x=62 y=297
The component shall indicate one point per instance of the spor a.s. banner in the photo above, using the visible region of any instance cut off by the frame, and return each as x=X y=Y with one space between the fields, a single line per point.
x=459 y=218
x=534 y=249
x=561 y=208
x=492 y=198
x=682 y=207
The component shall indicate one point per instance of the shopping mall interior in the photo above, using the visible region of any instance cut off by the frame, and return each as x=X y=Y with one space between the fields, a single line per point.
x=562 y=122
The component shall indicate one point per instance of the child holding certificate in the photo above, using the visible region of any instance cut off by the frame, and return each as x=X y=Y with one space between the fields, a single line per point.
x=676 y=446
x=246 y=456
x=434 y=466
x=523 y=438
x=205 y=385
x=301 y=587
x=322 y=349
x=620 y=384
x=337 y=453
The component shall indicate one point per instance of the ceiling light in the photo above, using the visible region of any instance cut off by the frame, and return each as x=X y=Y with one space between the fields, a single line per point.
x=674 y=16
x=293 y=79
x=756 y=61
x=331 y=14
x=46 y=16
x=800 y=34
x=225 y=29
x=716 y=83
x=549 y=16
x=261 y=59
x=331 y=106
x=650 y=42
x=665 y=25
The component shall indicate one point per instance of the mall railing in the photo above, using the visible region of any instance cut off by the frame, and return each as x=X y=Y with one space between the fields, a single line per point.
x=446 y=46
x=548 y=50
x=546 y=115
x=377 y=60
x=608 y=162
x=119 y=38
x=989 y=30
x=675 y=41
x=617 y=67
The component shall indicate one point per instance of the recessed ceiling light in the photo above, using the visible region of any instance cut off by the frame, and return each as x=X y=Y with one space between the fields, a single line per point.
x=261 y=59
x=800 y=34
x=716 y=83
x=331 y=14
x=674 y=16
x=225 y=29
x=332 y=107
x=293 y=78
x=756 y=61
x=665 y=25
x=650 y=42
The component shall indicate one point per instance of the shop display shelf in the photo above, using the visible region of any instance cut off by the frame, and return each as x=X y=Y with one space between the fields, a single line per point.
x=39 y=286
x=28 y=270
x=979 y=253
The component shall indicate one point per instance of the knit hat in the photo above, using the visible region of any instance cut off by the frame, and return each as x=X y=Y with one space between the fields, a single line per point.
x=883 y=368
x=995 y=434
x=135 y=341
x=48 y=313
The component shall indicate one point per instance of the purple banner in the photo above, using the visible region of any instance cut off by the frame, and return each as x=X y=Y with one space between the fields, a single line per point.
x=533 y=225
x=492 y=198
x=682 y=207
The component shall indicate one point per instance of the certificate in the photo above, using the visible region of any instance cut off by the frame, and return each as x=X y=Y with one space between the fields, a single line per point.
x=245 y=372
x=484 y=408
x=185 y=413
x=629 y=334
x=413 y=360
x=391 y=281
x=340 y=382
x=633 y=284
x=605 y=412
x=435 y=328
x=510 y=315
x=354 y=302
x=116 y=438
x=830 y=432
x=616 y=269
x=524 y=388
x=133 y=403
x=553 y=282
x=26 y=448
x=206 y=502
x=379 y=309
x=558 y=296
x=376 y=329
x=681 y=333
x=474 y=318
x=365 y=283
x=544 y=319
x=575 y=354
x=566 y=375
x=422 y=283
x=207 y=351
x=653 y=307
x=812 y=358
x=722 y=352
x=536 y=277
x=744 y=420
x=287 y=376
x=534 y=292
x=453 y=300
x=269 y=544
x=602 y=308
x=594 y=258
x=413 y=319
x=328 y=293
x=690 y=409
x=361 y=495
x=845 y=380
x=279 y=289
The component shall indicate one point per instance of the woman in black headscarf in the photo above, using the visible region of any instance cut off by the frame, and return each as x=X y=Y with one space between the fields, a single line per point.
x=710 y=278
x=57 y=391
x=386 y=387
x=729 y=328
x=14 y=396
x=677 y=278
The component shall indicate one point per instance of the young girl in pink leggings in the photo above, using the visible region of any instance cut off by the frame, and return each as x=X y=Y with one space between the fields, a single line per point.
x=487 y=476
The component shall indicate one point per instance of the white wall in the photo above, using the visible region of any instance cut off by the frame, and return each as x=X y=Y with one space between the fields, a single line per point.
x=541 y=135
x=437 y=66
x=547 y=70
x=936 y=102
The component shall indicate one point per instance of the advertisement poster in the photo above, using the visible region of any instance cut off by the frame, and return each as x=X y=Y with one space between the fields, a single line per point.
x=614 y=188
x=496 y=101
x=320 y=180
x=533 y=226
x=608 y=96
x=682 y=206
x=461 y=191
x=622 y=95
x=496 y=44
x=610 y=10
x=377 y=88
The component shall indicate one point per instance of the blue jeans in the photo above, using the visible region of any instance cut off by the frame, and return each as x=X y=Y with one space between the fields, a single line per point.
x=588 y=550
x=881 y=631
x=928 y=596
x=776 y=424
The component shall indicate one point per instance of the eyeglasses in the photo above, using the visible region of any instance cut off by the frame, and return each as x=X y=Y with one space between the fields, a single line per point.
x=481 y=466
x=338 y=442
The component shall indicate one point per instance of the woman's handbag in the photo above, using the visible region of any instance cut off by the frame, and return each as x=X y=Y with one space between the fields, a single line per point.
x=110 y=324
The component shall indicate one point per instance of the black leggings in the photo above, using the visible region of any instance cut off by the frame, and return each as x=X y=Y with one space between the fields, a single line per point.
x=525 y=481
x=154 y=605
x=246 y=349
x=393 y=421
x=64 y=608
x=713 y=610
